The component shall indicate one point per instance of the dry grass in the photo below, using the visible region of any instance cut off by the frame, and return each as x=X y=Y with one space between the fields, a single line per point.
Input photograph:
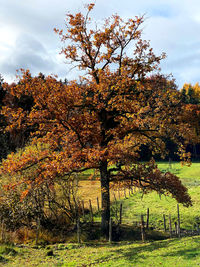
x=90 y=190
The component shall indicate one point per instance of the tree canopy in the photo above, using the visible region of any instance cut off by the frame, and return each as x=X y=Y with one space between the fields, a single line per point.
x=101 y=122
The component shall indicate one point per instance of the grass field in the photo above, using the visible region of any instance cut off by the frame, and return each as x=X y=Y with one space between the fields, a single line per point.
x=170 y=252
x=137 y=204
x=158 y=206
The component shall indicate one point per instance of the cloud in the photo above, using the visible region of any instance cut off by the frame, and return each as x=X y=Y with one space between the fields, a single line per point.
x=28 y=40
x=28 y=53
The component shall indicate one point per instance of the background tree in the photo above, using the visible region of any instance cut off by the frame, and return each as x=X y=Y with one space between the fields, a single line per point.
x=190 y=96
x=101 y=122
x=190 y=93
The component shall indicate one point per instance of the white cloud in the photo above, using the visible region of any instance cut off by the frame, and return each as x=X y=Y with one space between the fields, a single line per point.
x=27 y=37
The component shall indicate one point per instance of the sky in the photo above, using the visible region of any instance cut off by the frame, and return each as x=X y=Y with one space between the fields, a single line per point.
x=27 y=39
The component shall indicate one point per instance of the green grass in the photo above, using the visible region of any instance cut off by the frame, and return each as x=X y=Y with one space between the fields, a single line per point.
x=171 y=252
x=189 y=175
x=159 y=205
x=137 y=204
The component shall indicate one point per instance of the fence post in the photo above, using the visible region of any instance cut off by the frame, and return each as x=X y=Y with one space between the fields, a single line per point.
x=176 y=232
x=83 y=208
x=91 y=211
x=78 y=230
x=2 y=231
x=164 y=222
x=142 y=228
x=129 y=191
x=197 y=228
x=147 y=226
x=38 y=230
x=179 y=229
x=98 y=204
x=114 y=197
x=124 y=192
x=110 y=230
x=170 y=226
x=132 y=190
x=120 y=214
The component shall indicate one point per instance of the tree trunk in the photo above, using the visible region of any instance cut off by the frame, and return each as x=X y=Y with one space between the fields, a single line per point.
x=105 y=198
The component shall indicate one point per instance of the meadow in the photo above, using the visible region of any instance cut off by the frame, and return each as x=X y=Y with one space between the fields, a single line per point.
x=171 y=252
x=168 y=252
x=158 y=205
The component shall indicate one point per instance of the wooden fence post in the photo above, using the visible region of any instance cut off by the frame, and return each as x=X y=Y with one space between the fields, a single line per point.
x=197 y=228
x=110 y=230
x=114 y=197
x=2 y=231
x=179 y=229
x=170 y=226
x=91 y=211
x=176 y=232
x=98 y=204
x=120 y=214
x=83 y=208
x=124 y=192
x=132 y=190
x=78 y=230
x=142 y=228
x=37 y=230
x=164 y=222
x=147 y=225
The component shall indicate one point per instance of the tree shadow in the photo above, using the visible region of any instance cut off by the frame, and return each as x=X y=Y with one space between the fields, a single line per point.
x=132 y=254
x=136 y=254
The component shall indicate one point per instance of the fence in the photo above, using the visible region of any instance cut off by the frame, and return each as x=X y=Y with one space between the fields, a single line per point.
x=90 y=212
x=172 y=228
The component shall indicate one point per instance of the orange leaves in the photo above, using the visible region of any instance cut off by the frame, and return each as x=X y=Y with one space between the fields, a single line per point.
x=24 y=160
x=107 y=117
x=90 y=6
x=98 y=48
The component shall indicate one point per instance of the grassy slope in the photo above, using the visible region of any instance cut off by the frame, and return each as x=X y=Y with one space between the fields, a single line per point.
x=137 y=205
x=171 y=252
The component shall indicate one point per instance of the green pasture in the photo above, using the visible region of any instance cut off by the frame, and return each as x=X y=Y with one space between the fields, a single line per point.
x=158 y=205
x=183 y=252
x=137 y=204
x=189 y=175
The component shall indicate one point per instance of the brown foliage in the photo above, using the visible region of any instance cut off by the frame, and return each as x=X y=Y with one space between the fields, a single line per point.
x=104 y=121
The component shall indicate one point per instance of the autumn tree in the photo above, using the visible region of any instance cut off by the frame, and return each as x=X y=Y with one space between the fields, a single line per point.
x=101 y=122
x=190 y=96
x=190 y=93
